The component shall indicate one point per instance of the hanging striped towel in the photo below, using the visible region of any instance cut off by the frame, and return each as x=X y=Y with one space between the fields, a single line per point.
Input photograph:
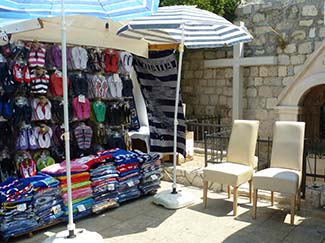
x=158 y=77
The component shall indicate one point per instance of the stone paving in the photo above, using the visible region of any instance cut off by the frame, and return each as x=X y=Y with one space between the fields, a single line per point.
x=142 y=221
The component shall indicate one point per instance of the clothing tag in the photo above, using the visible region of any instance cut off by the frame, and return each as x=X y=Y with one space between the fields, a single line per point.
x=111 y=187
x=81 y=208
x=56 y=209
x=81 y=98
x=130 y=183
x=116 y=77
x=154 y=177
x=21 y=207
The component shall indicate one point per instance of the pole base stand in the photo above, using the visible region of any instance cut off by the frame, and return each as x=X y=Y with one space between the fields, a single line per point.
x=173 y=200
x=81 y=236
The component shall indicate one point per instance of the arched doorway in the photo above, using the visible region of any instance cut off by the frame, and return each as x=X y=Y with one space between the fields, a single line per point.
x=313 y=112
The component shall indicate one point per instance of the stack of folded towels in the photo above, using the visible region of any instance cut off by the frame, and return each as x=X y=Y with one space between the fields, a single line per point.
x=80 y=183
x=150 y=166
x=16 y=215
x=47 y=201
x=103 y=176
x=127 y=165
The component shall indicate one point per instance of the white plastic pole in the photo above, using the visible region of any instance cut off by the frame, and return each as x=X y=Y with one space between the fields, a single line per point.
x=71 y=225
x=179 y=73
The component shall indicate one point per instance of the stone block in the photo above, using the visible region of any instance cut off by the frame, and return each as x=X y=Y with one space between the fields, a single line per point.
x=210 y=55
x=251 y=92
x=220 y=54
x=265 y=91
x=258 y=18
x=188 y=74
x=286 y=81
x=187 y=89
x=305 y=48
x=258 y=81
x=282 y=71
x=209 y=90
x=213 y=100
x=298 y=68
x=247 y=9
x=263 y=71
x=291 y=48
x=222 y=100
x=261 y=30
x=321 y=32
x=306 y=23
x=227 y=91
x=211 y=82
x=290 y=71
x=299 y=59
x=276 y=91
x=253 y=71
x=208 y=73
x=271 y=103
x=228 y=73
x=260 y=52
x=198 y=74
x=203 y=82
x=272 y=81
x=309 y=10
x=261 y=114
x=204 y=99
x=298 y=35
x=283 y=60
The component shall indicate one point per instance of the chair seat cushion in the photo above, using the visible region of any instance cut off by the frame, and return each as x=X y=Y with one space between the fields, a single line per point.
x=228 y=173
x=277 y=180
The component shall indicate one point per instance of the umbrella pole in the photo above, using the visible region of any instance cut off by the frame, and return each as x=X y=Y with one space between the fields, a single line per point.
x=178 y=84
x=71 y=225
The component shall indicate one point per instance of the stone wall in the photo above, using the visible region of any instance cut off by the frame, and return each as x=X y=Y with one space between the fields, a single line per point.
x=290 y=30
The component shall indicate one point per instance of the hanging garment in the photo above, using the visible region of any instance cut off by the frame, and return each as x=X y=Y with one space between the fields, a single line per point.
x=43 y=134
x=56 y=83
x=81 y=106
x=110 y=60
x=41 y=108
x=83 y=135
x=126 y=61
x=94 y=61
x=99 y=109
x=39 y=82
x=79 y=58
x=79 y=84
x=36 y=57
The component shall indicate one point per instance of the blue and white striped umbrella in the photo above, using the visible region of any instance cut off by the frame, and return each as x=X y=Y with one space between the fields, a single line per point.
x=113 y=9
x=194 y=28
x=202 y=29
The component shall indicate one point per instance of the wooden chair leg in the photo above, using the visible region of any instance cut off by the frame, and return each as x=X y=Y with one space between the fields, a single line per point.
x=299 y=198
x=205 y=193
x=272 y=198
x=250 y=190
x=229 y=191
x=235 y=200
x=255 y=203
x=293 y=206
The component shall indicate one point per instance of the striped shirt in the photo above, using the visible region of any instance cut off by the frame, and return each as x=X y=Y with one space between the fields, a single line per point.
x=39 y=83
x=36 y=57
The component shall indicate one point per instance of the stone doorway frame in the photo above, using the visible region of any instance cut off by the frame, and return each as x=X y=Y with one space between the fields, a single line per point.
x=311 y=74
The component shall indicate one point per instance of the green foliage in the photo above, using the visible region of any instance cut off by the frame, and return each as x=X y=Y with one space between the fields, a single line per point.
x=224 y=8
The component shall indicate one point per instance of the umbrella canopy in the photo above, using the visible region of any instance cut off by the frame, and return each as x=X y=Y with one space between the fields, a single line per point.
x=117 y=10
x=194 y=28
x=201 y=29
x=81 y=30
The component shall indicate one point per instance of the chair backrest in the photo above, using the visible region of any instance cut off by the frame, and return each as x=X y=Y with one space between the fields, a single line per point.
x=288 y=145
x=242 y=142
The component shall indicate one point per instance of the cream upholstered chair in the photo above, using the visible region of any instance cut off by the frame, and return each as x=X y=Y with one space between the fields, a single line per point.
x=284 y=174
x=240 y=161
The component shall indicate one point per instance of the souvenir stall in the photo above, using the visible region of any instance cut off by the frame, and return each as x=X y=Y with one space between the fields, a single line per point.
x=105 y=170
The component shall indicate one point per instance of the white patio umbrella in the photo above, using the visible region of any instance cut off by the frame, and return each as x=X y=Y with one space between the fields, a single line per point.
x=194 y=28
x=116 y=10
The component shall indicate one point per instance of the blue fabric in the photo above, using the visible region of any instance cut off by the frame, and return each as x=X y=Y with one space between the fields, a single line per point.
x=41 y=180
x=12 y=10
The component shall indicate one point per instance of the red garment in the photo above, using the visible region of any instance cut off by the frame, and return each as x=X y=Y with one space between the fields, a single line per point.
x=110 y=61
x=75 y=178
x=56 y=84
